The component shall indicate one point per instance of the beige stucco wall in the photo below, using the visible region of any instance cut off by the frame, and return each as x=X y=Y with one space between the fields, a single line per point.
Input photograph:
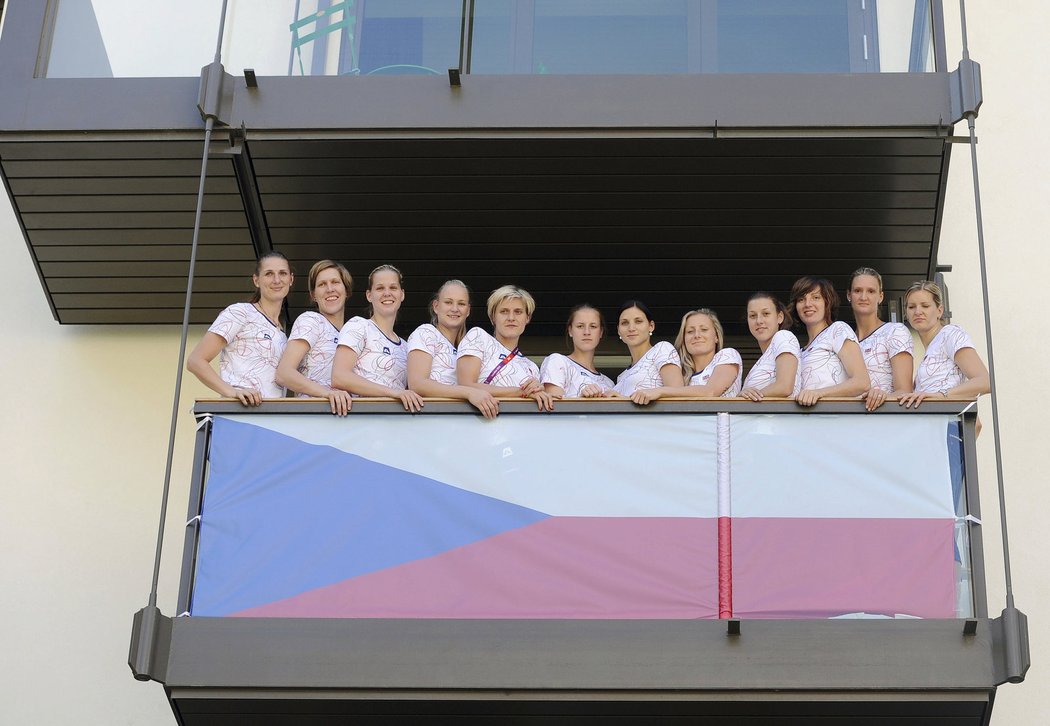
x=86 y=418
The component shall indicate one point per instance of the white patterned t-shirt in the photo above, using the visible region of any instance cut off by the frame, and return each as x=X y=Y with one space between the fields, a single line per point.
x=479 y=344
x=571 y=377
x=880 y=347
x=253 y=349
x=322 y=337
x=379 y=359
x=764 y=373
x=938 y=370
x=646 y=372
x=724 y=357
x=429 y=339
x=820 y=364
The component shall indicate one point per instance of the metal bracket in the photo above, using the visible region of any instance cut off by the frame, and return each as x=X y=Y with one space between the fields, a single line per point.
x=733 y=626
x=215 y=98
x=1017 y=657
x=970 y=627
x=150 y=645
x=965 y=89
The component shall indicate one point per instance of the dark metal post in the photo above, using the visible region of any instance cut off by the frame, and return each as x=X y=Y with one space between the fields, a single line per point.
x=1015 y=624
x=148 y=623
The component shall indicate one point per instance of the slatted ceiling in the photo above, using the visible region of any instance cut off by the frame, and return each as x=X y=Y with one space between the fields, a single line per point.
x=612 y=201
x=756 y=238
x=110 y=224
x=99 y=203
x=174 y=236
x=541 y=166
x=201 y=284
x=607 y=274
x=653 y=183
x=677 y=222
x=28 y=186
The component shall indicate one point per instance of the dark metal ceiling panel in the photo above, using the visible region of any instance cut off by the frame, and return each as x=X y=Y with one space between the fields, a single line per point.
x=109 y=224
x=679 y=222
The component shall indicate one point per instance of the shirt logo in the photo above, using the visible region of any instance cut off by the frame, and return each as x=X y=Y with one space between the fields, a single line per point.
x=502 y=356
x=386 y=350
x=267 y=336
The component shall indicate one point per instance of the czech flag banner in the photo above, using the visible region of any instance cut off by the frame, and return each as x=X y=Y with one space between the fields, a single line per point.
x=609 y=516
x=448 y=516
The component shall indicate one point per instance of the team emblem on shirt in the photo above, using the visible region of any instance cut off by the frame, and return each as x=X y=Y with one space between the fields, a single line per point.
x=386 y=350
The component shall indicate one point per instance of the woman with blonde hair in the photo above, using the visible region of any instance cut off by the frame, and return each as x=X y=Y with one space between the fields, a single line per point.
x=709 y=369
x=370 y=359
x=432 y=350
x=494 y=363
x=951 y=367
x=306 y=366
x=248 y=337
x=887 y=347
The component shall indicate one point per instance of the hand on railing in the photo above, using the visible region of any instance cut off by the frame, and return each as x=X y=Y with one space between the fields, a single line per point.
x=340 y=401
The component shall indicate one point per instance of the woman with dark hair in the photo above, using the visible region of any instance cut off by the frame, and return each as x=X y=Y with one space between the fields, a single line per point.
x=951 y=366
x=370 y=359
x=306 y=366
x=248 y=338
x=831 y=363
x=574 y=375
x=776 y=372
x=709 y=369
x=887 y=347
x=494 y=363
x=652 y=366
x=432 y=350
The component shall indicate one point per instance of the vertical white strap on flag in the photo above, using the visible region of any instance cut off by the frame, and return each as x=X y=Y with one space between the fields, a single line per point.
x=725 y=504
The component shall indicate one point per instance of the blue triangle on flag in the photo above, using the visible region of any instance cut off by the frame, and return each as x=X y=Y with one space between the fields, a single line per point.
x=282 y=516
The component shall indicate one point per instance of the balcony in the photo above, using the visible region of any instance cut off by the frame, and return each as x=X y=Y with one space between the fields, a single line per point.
x=726 y=147
x=697 y=558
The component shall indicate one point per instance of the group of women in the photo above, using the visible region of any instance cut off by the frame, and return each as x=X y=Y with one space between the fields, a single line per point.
x=326 y=356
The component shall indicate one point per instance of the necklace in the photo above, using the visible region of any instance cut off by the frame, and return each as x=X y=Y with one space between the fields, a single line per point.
x=275 y=323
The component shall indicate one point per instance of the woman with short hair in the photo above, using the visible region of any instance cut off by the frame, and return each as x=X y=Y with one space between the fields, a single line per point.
x=494 y=363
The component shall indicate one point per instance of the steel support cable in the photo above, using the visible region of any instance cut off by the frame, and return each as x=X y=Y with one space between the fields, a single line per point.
x=209 y=125
x=970 y=118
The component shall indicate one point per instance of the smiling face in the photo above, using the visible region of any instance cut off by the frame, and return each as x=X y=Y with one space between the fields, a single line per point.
x=509 y=318
x=452 y=307
x=922 y=311
x=700 y=336
x=763 y=319
x=386 y=294
x=329 y=292
x=634 y=328
x=273 y=278
x=811 y=308
x=585 y=330
x=865 y=295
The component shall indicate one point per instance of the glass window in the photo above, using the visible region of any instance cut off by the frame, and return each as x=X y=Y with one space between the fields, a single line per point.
x=410 y=36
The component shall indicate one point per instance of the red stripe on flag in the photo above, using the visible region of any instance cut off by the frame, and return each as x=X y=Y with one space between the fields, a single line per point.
x=725 y=567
